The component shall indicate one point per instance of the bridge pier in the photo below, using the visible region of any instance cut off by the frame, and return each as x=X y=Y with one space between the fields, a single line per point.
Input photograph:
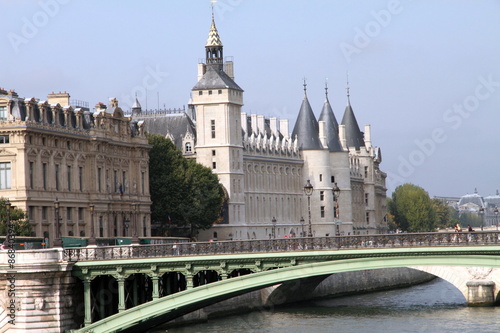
x=41 y=295
x=481 y=293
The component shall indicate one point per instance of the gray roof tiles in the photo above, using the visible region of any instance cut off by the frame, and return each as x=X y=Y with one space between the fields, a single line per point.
x=332 y=127
x=306 y=128
x=354 y=137
x=216 y=78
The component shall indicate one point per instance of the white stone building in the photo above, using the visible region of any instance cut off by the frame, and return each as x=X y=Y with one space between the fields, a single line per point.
x=264 y=168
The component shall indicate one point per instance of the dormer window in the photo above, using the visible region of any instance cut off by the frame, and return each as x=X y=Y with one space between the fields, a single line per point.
x=3 y=113
x=188 y=147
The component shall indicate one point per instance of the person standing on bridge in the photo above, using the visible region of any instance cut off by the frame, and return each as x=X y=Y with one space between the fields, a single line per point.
x=458 y=228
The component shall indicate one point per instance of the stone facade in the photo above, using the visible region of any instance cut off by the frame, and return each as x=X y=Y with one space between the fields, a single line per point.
x=53 y=150
x=263 y=167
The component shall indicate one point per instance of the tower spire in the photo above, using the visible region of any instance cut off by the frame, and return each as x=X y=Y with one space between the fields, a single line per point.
x=326 y=88
x=213 y=48
x=305 y=87
x=347 y=89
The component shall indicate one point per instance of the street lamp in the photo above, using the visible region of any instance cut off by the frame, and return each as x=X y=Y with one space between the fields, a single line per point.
x=273 y=220
x=92 y=240
x=57 y=241
x=135 y=239
x=336 y=195
x=302 y=225
x=126 y=222
x=496 y=216
x=481 y=213
x=308 y=190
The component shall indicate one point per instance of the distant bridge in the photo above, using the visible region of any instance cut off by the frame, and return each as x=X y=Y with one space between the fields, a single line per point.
x=131 y=288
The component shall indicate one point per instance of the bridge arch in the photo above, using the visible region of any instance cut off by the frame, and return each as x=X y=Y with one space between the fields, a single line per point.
x=161 y=310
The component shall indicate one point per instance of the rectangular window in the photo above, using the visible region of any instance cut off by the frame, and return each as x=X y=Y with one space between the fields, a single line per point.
x=99 y=180
x=366 y=172
x=69 y=177
x=320 y=177
x=57 y=177
x=366 y=199
x=31 y=212
x=3 y=113
x=80 y=213
x=69 y=214
x=4 y=175
x=200 y=92
x=321 y=195
x=44 y=212
x=210 y=92
x=333 y=179
x=322 y=211
x=212 y=126
x=220 y=92
x=4 y=139
x=213 y=152
x=143 y=181
x=115 y=177
x=214 y=165
x=367 y=217
x=101 y=227
x=124 y=177
x=31 y=175
x=44 y=175
x=80 y=178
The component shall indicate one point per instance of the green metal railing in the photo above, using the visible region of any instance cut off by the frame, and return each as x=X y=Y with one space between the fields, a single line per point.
x=280 y=245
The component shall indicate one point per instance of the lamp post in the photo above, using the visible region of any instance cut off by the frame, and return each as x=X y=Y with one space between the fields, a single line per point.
x=308 y=190
x=496 y=216
x=126 y=222
x=57 y=241
x=92 y=240
x=481 y=213
x=336 y=195
x=273 y=220
x=8 y=236
x=135 y=239
x=302 y=225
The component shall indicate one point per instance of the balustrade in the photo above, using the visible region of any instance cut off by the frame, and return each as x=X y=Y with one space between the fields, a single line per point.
x=282 y=245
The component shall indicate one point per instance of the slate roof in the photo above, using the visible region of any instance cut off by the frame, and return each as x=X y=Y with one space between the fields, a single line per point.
x=306 y=128
x=216 y=78
x=354 y=137
x=176 y=125
x=472 y=198
x=332 y=127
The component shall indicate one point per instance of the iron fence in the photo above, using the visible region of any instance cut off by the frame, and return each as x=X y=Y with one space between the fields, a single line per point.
x=283 y=245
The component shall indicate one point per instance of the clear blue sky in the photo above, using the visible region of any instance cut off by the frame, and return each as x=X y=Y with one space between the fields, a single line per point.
x=425 y=74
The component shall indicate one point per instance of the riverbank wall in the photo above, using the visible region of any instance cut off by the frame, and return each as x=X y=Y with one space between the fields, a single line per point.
x=329 y=286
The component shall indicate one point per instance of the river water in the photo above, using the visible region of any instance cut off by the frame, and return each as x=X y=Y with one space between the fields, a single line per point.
x=434 y=307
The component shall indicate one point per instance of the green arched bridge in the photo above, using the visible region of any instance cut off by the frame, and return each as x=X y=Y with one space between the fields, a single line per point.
x=133 y=288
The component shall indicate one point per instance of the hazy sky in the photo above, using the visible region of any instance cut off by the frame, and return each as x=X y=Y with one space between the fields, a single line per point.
x=425 y=74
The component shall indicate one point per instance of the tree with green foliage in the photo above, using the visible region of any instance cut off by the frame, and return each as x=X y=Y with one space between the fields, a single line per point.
x=470 y=218
x=186 y=195
x=18 y=219
x=446 y=216
x=412 y=209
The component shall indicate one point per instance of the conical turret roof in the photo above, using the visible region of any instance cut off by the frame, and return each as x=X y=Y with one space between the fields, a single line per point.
x=306 y=127
x=354 y=137
x=332 y=126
